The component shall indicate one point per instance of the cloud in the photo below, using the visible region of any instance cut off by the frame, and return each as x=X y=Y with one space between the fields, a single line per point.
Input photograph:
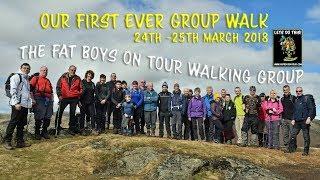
x=314 y=13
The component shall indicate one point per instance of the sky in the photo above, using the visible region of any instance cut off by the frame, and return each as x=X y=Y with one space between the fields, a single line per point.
x=21 y=27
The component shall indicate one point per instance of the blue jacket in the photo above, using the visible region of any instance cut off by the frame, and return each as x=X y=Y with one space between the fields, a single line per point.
x=150 y=100
x=177 y=102
x=128 y=108
x=207 y=99
x=137 y=97
x=302 y=107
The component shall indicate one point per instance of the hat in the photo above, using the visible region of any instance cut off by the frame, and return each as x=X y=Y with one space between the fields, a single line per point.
x=252 y=88
x=165 y=84
x=262 y=95
x=176 y=84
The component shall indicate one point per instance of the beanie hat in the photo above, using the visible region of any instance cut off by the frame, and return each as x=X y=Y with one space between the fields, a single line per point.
x=165 y=84
x=252 y=88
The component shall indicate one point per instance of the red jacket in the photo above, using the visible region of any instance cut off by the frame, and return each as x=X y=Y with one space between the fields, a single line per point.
x=262 y=114
x=74 y=90
x=41 y=86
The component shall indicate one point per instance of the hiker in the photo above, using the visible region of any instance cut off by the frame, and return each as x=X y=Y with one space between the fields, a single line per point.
x=223 y=96
x=197 y=114
x=273 y=108
x=102 y=96
x=127 y=120
x=287 y=115
x=87 y=109
x=150 y=109
x=207 y=100
x=262 y=139
x=216 y=126
x=229 y=116
x=69 y=90
x=125 y=88
x=252 y=105
x=20 y=101
x=42 y=92
x=303 y=114
x=187 y=95
x=143 y=88
x=117 y=98
x=110 y=106
x=177 y=108
x=137 y=99
x=238 y=102
x=164 y=105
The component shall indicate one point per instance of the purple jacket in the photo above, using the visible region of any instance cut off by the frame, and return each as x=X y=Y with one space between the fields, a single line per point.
x=196 y=108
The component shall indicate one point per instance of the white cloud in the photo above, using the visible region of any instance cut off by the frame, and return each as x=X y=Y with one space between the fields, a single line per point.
x=314 y=13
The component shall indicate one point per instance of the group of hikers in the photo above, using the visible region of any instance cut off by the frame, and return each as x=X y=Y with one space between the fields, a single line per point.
x=182 y=114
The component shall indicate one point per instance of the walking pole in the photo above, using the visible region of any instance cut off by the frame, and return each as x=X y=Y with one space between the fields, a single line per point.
x=57 y=121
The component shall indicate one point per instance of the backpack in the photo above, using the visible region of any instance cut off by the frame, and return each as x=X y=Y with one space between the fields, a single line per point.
x=8 y=86
x=313 y=105
x=33 y=89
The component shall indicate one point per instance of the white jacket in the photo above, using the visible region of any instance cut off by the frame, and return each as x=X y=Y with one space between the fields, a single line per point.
x=20 y=91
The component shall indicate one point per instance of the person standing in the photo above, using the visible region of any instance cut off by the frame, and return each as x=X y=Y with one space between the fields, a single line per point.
x=87 y=99
x=42 y=92
x=69 y=90
x=302 y=117
x=177 y=108
x=150 y=109
x=125 y=88
x=110 y=106
x=127 y=112
x=207 y=102
x=20 y=101
x=102 y=96
x=164 y=105
x=252 y=104
x=197 y=114
x=287 y=116
x=262 y=139
x=117 y=99
x=143 y=88
x=137 y=99
x=239 y=104
x=216 y=126
x=229 y=115
x=187 y=124
x=273 y=108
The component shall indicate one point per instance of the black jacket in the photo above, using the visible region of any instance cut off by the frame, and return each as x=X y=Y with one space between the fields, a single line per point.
x=111 y=87
x=102 y=92
x=164 y=101
x=229 y=112
x=288 y=105
x=118 y=96
x=88 y=93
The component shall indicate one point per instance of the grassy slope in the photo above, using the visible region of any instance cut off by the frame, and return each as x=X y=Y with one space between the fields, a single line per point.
x=76 y=158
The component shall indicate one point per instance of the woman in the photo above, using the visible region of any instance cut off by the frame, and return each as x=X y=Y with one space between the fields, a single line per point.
x=229 y=116
x=273 y=108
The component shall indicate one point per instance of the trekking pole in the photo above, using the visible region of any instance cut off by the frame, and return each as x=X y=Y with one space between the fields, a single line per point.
x=57 y=120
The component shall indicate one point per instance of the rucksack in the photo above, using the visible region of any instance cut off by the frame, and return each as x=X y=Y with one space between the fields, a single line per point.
x=8 y=86
x=313 y=105
x=32 y=89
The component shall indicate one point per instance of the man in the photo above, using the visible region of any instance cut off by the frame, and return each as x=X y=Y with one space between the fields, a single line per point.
x=238 y=101
x=117 y=98
x=87 y=99
x=287 y=116
x=207 y=102
x=137 y=99
x=150 y=109
x=69 y=90
x=143 y=88
x=177 y=108
x=188 y=130
x=164 y=104
x=20 y=102
x=302 y=116
x=102 y=96
x=252 y=104
x=223 y=96
x=42 y=92
x=110 y=106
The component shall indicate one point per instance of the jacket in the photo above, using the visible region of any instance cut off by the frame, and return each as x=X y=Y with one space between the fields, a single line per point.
x=186 y=104
x=238 y=102
x=216 y=110
x=229 y=111
x=288 y=105
x=69 y=87
x=275 y=106
x=177 y=101
x=128 y=108
x=164 y=101
x=150 y=100
x=262 y=115
x=111 y=87
x=41 y=87
x=196 y=108
x=102 y=92
x=117 y=96
x=20 y=91
x=302 y=108
x=207 y=100
x=252 y=104
x=137 y=97
x=88 y=92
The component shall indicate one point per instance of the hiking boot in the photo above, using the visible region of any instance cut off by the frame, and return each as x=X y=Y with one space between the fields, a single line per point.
x=148 y=132
x=153 y=133
x=37 y=137
x=71 y=132
x=8 y=146
x=115 y=131
x=229 y=142
x=22 y=144
x=288 y=151
x=95 y=133
x=305 y=154
x=45 y=135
